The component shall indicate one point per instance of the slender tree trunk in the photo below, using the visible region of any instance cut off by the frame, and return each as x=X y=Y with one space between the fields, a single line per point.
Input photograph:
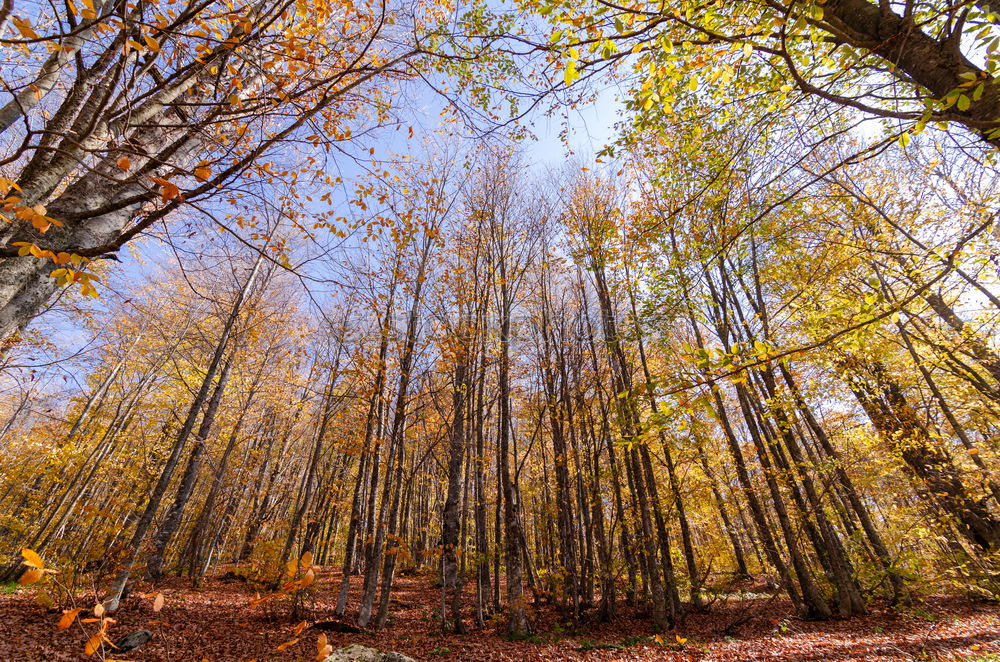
x=172 y=520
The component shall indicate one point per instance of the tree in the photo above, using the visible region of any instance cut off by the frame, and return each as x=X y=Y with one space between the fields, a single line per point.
x=912 y=63
x=128 y=113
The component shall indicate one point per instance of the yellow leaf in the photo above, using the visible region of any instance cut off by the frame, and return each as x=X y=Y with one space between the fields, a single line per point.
x=202 y=173
x=680 y=639
x=31 y=559
x=151 y=43
x=306 y=561
x=309 y=578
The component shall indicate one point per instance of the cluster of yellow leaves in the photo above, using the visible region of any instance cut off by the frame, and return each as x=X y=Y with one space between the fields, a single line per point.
x=11 y=203
x=303 y=567
x=26 y=248
x=35 y=215
x=89 y=12
x=36 y=568
x=66 y=276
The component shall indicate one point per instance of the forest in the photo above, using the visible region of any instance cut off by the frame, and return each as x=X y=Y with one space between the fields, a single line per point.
x=395 y=330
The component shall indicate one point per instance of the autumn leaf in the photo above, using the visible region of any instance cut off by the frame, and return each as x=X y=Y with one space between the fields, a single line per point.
x=288 y=644
x=93 y=644
x=168 y=190
x=31 y=559
x=23 y=26
x=158 y=602
x=124 y=163
x=30 y=576
x=68 y=617
x=323 y=647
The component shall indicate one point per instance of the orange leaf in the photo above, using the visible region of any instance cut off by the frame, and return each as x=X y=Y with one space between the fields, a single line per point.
x=288 y=644
x=158 y=602
x=93 y=644
x=31 y=559
x=124 y=163
x=299 y=628
x=168 y=190
x=323 y=648
x=68 y=617
x=30 y=576
x=202 y=173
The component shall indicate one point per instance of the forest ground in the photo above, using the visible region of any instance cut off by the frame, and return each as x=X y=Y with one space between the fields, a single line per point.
x=217 y=623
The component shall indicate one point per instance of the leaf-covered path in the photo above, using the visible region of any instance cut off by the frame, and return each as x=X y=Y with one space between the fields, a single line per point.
x=217 y=624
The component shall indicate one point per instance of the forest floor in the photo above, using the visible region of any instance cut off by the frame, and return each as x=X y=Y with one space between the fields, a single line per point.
x=217 y=623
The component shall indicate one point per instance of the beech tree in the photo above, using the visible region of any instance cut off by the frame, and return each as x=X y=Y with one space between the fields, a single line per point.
x=121 y=114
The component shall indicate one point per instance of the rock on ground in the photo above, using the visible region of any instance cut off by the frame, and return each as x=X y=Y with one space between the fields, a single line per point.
x=132 y=641
x=358 y=653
